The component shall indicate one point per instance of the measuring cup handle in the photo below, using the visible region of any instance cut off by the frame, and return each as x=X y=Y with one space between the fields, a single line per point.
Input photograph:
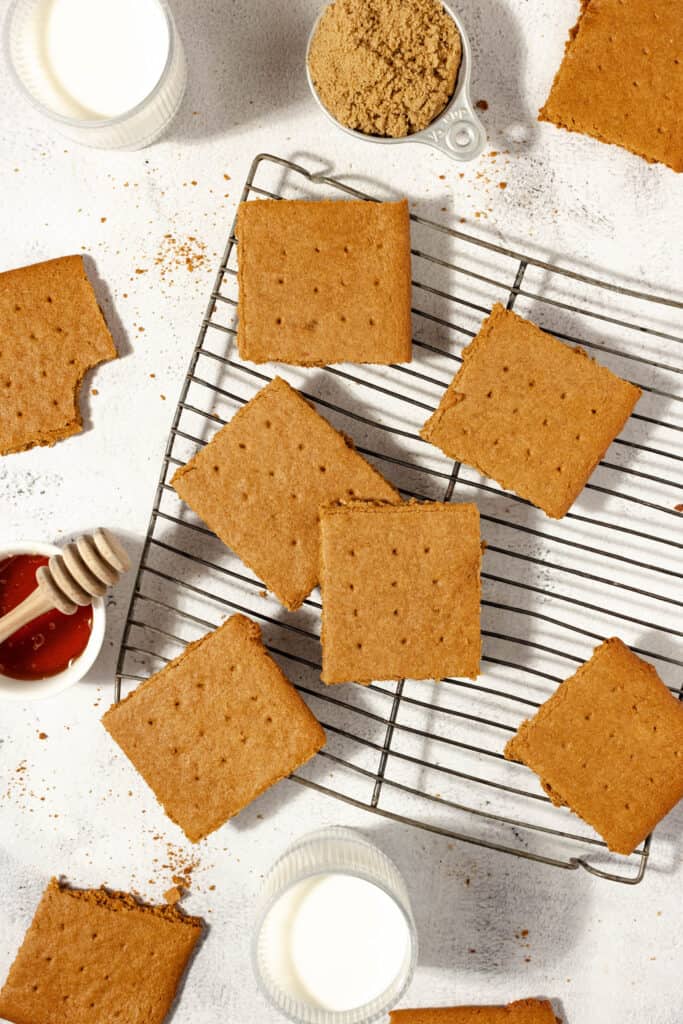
x=459 y=134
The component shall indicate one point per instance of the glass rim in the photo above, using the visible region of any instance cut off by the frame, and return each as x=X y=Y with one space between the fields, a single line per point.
x=303 y=1010
x=76 y=122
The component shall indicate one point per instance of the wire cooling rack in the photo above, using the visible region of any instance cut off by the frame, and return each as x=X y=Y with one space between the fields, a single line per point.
x=430 y=754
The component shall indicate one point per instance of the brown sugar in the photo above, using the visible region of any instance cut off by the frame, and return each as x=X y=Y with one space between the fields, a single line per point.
x=385 y=67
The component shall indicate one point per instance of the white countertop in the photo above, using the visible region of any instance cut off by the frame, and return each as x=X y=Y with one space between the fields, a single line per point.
x=606 y=953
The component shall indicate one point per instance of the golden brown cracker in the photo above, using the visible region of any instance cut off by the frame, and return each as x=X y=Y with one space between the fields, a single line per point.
x=215 y=728
x=609 y=745
x=260 y=483
x=522 y=1011
x=530 y=412
x=51 y=333
x=401 y=591
x=621 y=80
x=91 y=956
x=324 y=282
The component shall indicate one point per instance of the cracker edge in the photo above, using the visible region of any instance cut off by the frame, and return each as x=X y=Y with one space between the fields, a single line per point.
x=545 y=115
x=114 y=901
x=451 y=396
x=48 y=438
x=404 y=270
x=328 y=511
x=516 y=746
x=255 y=636
x=293 y=602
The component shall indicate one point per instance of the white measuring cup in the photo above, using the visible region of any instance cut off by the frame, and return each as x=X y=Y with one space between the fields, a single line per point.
x=457 y=131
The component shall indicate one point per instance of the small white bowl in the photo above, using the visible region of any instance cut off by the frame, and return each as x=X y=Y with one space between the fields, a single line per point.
x=22 y=690
x=456 y=131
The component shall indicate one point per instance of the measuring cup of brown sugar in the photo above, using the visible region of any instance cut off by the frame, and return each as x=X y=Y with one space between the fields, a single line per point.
x=455 y=130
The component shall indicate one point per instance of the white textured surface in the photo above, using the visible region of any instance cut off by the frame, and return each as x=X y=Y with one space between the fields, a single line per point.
x=605 y=952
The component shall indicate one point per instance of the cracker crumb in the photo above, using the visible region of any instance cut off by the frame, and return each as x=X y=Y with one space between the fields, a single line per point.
x=94 y=391
x=482 y=105
x=42 y=735
x=173 y=895
x=502 y=184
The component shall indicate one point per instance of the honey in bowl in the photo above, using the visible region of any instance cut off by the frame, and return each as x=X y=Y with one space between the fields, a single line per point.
x=47 y=645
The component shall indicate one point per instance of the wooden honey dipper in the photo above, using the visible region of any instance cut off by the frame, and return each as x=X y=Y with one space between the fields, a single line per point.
x=82 y=571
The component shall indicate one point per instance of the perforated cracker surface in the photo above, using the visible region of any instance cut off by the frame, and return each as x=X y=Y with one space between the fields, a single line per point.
x=261 y=481
x=609 y=744
x=215 y=728
x=621 y=79
x=530 y=412
x=523 y=1011
x=324 y=282
x=401 y=591
x=90 y=956
x=51 y=333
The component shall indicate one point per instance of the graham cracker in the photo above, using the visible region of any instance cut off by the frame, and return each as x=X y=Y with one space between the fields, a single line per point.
x=52 y=333
x=215 y=728
x=530 y=412
x=620 y=80
x=609 y=745
x=260 y=482
x=91 y=956
x=401 y=591
x=523 y=1011
x=324 y=282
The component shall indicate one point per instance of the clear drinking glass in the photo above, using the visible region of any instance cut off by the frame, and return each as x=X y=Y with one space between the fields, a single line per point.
x=134 y=129
x=326 y=852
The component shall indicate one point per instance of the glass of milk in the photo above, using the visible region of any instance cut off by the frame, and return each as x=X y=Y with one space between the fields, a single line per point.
x=106 y=73
x=335 y=940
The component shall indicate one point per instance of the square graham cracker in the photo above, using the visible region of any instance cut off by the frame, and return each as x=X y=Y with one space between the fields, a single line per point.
x=530 y=412
x=324 y=282
x=51 y=333
x=401 y=591
x=609 y=745
x=261 y=480
x=91 y=956
x=522 y=1011
x=215 y=728
x=621 y=80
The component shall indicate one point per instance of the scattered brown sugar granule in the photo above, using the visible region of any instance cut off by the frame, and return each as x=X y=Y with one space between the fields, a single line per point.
x=481 y=105
x=42 y=735
x=385 y=67
x=502 y=184
x=179 y=254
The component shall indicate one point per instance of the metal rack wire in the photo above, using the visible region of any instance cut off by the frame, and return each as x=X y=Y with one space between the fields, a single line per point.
x=423 y=753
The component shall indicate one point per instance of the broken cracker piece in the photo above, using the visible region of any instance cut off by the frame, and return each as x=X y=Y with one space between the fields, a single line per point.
x=91 y=956
x=53 y=332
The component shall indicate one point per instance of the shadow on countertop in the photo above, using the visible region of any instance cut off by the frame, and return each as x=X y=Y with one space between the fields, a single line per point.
x=245 y=63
